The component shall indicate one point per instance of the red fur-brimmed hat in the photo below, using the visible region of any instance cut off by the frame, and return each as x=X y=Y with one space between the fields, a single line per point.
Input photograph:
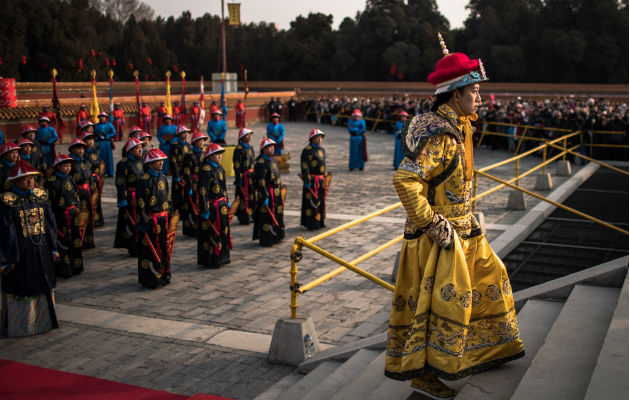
x=275 y=115
x=455 y=70
x=142 y=134
x=217 y=112
x=198 y=135
x=266 y=142
x=20 y=169
x=357 y=112
x=76 y=142
x=61 y=158
x=183 y=129
x=315 y=132
x=103 y=114
x=7 y=147
x=214 y=148
x=131 y=143
x=86 y=135
x=154 y=155
x=44 y=118
x=87 y=125
x=167 y=116
x=403 y=114
x=23 y=141
x=134 y=129
x=244 y=132
x=27 y=129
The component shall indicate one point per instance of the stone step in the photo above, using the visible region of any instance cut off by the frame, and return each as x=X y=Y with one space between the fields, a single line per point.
x=534 y=321
x=363 y=384
x=563 y=366
x=342 y=375
x=610 y=378
x=311 y=380
x=343 y=352
x=276 y=390
x=391 y=389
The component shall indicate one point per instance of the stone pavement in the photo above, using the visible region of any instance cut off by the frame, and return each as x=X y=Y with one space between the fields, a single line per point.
x=208 y=330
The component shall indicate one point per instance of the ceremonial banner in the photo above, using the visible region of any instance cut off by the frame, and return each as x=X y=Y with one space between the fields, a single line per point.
x=94 y=109
x=57 y=106
x=234 y=12
x=202 y=104
x=183 y=76
x=8 y=96
x=111 y=90
x=135 y=75
x=167 y=102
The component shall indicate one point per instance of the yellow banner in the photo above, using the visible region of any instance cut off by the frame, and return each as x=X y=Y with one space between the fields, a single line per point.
x=94 y=109
x=234 y=12
x=167 y=101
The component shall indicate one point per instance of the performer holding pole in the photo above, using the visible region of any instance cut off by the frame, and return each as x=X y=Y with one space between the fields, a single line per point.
x=64 y=202
x=192 y=166
x=243 y=161
x=96 y=166
x=358 y=148
x=129 y=170
x=269 y=210
x=214 y=239
x=82 y=175
x=313 y=165
x=179 y=148
x=153 y=210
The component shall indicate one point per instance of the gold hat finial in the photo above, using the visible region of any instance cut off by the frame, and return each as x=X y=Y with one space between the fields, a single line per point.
x=443 y=45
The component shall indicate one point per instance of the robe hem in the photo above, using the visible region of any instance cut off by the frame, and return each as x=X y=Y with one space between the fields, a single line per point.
x=404 y=376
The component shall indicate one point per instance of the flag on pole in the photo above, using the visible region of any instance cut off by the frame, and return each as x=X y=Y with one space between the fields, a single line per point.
x=56 y=105
x=94 y=109
x=202 y=103
x=111 y=90
x=234 y=14
x=224 y=109
x=167 y=101
x=135 y=75
x=183 y=76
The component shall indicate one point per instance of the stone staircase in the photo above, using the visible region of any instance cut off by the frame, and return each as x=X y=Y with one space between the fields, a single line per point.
x=575 y=331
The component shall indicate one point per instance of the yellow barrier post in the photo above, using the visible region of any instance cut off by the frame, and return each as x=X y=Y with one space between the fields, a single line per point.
x=518 y=160
x=544 y=168
x=296 y=256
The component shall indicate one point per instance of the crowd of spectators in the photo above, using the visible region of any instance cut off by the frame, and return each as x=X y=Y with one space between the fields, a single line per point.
x=572 y=113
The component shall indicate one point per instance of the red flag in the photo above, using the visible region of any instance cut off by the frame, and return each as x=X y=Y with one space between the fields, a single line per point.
x=175 y=68
x=92 y=52
x=392 y=69
x=100 y=53
x=80 y=64
x=113 y=62
x=131 y=66
x=23 y=60
x=107 y=62
x=150 y=60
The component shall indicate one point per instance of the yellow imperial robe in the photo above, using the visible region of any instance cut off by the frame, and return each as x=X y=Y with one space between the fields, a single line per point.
x=452 y=310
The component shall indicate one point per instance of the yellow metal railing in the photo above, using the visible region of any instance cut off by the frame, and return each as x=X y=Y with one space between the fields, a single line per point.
x=300 y=242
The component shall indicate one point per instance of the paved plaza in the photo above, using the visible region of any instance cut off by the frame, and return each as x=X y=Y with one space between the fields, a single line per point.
x=209 y=330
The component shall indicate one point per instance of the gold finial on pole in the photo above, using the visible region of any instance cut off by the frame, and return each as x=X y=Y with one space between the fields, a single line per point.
x=110 y=73
x=182 y=74
x=54 y=72
x=168 y=74
x=93 y=74
x=443 y=45
x=136 y=74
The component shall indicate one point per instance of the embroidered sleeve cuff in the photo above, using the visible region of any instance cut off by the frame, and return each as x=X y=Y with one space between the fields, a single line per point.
x=440 y=231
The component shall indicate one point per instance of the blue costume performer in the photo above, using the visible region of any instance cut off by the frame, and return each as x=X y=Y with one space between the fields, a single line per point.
x=47 y=136
x=275 y=132
x=166 y=133
x=217 y=128
x=398 y=151
x=358 y=149
x=105 y=132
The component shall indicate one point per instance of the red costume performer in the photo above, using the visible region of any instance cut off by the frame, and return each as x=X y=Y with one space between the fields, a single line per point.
x=119 y=121
x=145 y=118
x=240 y=114
x=83 y=117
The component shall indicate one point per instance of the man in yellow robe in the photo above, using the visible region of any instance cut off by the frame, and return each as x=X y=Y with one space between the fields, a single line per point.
x=453 y=311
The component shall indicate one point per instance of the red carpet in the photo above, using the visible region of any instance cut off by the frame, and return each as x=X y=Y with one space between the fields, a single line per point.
x=27 y=382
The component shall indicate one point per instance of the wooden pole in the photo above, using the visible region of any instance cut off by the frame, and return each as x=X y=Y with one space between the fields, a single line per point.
x=223 y=34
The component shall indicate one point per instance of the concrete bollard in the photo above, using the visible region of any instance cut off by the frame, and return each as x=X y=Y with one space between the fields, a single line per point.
x=543 y=181
x=516 y=201
x=287 y=344
x=563 y=168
